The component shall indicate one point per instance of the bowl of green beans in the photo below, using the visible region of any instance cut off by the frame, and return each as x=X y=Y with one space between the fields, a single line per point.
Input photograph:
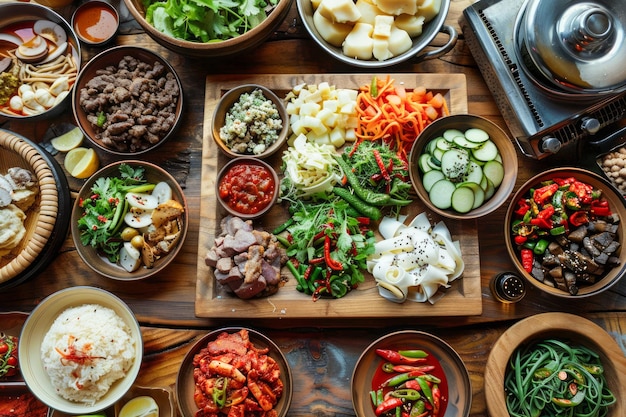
x=555 y=364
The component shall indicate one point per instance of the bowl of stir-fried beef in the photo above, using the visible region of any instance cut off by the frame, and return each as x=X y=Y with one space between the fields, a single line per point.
x=234 y=371
x=564 y=232
x=128 y=100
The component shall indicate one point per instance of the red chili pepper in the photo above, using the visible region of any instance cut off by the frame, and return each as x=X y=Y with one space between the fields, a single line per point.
x=527 y=259
x=436 y=399
x=307 y=272
x=600 y=208
x=582 y=190
x=520 y=240
x=564 y=181
x=541 y=222
x=381 y=165
x=388 y=405
x=413 y=384
x=330 y=262
x=419 y=370
x=522 y=207
x=541 y=194
x=578 y=218
x=395 y=358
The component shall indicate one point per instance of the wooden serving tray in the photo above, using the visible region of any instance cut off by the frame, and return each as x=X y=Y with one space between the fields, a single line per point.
x=463 y=298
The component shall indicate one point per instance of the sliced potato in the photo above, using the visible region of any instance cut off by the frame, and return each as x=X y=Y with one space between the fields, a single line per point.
x=167 y=211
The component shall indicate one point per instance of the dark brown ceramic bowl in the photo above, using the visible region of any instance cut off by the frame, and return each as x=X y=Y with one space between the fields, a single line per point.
x=463 y=122
x=236 y=45
x=616 y=203
x=20 y=12
x=100 y=264
x=247 y=160
x=225 y=104
x=185 y=385
x=564 y=327
x=454 y=371
x=112 y=57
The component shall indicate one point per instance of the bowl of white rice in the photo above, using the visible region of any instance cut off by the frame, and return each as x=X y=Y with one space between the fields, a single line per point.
x=80 y=350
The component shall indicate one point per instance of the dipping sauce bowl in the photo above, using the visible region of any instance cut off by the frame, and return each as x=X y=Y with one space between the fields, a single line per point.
x=95 y=22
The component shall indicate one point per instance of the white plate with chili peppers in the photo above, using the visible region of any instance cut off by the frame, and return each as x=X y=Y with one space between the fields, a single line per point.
x=564 y=232
x=411 y=372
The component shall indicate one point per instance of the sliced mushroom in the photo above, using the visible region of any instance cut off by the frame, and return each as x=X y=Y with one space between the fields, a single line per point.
x=147 y=255
x=50 y=31
x=33 y=50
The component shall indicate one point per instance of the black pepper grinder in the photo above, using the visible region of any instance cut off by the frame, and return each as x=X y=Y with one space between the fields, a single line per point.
x=508 y=287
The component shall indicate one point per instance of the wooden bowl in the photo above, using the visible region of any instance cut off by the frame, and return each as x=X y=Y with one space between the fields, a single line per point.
x=579 y=331
x=616 y=203
x=185 y=385
x=36 y=328
x=463 y=122
x=112 y=57
x=41 y=217
x=236 y=45
x=454 y=371
x=225 y=104
x=246 y=160
x=99 y=263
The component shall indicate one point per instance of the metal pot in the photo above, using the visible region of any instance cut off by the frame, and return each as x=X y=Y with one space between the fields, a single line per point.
x=574 y=46
x=416 y=53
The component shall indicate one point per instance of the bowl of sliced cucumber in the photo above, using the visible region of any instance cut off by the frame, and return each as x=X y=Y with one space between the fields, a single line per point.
x=463 y=166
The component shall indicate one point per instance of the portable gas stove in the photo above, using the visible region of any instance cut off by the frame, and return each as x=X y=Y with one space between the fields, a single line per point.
x=544 y=119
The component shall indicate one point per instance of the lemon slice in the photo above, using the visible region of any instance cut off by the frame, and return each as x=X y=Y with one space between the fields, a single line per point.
x=81 y=162
x=68 y=141
x=143 y=406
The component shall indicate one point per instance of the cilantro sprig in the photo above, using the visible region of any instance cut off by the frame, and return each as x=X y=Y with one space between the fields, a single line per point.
x=103 y=210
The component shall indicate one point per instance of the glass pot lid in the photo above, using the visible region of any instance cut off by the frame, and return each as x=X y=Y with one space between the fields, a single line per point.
x=577 y=45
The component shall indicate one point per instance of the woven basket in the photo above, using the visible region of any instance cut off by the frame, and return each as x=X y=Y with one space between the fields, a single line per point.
x=41 y=217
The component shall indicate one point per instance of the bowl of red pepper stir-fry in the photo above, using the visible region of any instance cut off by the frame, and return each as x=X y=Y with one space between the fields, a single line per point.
x=564 y=234
x=411 y=373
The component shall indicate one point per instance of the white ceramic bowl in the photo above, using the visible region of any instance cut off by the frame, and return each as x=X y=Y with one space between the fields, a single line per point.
x=38 y=324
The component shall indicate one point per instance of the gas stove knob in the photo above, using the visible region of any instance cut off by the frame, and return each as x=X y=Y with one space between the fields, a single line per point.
x=549 y=144
x=590 y=125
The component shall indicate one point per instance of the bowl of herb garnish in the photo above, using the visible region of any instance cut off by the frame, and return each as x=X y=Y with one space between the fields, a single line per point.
x=205 y=30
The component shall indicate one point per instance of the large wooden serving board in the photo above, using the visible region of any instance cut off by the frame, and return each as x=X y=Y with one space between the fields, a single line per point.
x=463 y=298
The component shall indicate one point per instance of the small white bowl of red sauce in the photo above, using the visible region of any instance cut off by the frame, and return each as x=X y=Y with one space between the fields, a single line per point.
x=247 y=187
x=96 y=22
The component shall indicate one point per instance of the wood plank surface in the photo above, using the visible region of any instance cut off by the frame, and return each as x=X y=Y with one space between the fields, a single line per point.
x=461 y=299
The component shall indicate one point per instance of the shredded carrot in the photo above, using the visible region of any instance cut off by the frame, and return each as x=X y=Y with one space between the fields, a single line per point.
x=395 y=115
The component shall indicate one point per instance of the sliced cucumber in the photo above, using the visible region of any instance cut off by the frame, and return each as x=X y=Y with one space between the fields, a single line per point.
x=434 y=162
x=431 y=177
x=479 y=193
x=487 y=151
x=431 y=146
x=450 y=134
x=489 y=189
x=462 y=199
x=474 y=173
x=494 y=170
x=476 y=135
x=443 y=144
x=454 y=163
x=423 y=164
x=441 y=194
x=463 y=142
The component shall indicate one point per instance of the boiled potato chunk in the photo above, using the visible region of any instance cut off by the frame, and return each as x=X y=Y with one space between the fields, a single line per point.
x=412 y=24
x=399 y=41
x=381 y=49
x=339 y=11
x=429 y=9
x=359 y=43
x=397 y=7
x=382 y=26
x=368 y=10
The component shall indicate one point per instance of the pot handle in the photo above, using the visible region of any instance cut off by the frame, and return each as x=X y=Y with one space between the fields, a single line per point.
x=436 y=53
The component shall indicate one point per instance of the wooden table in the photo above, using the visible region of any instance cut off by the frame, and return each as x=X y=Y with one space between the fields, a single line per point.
x=322 y=353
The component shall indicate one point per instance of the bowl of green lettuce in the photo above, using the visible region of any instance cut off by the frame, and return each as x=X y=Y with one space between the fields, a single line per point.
x=209 y=29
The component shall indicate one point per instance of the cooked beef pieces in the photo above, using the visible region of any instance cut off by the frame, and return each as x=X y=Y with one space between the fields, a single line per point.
x=246 y=261
x=139 y=102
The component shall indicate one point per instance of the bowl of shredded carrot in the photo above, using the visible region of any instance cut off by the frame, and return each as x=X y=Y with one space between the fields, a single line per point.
x=463 y=166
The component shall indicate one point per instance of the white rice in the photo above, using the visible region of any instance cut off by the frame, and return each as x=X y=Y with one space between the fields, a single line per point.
x=94 y=331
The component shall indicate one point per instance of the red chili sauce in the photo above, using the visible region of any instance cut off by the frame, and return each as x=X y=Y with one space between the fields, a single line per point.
x=381 y=376
x=247 y=188
x=95 y=22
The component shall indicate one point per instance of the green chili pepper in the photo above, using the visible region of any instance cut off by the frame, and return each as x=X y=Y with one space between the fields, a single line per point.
x=559 y=230
x=397 y=380
x=406 y=393
x=541 y=246
x=557 y=199
x=219 y=391
x=374 y=87
x=426 y=389
x=413 y=353
x=594 y=369
x=572 y=402
x=542 y=373
x=101 y=119
x=418 y=408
